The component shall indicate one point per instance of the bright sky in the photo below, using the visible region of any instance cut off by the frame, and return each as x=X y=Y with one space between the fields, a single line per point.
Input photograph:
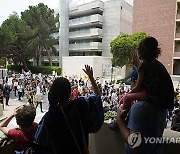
x=7 y=7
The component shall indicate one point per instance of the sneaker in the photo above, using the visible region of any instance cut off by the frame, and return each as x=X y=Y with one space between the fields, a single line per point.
x=114 y=126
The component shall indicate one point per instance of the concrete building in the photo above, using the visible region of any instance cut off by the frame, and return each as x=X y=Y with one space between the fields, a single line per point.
x=161 y=19
x=86 y=29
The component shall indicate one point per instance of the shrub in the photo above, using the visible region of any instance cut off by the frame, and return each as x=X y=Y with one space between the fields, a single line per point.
x=36 y=69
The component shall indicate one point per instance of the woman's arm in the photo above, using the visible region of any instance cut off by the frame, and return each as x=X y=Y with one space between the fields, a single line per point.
x=89 y=71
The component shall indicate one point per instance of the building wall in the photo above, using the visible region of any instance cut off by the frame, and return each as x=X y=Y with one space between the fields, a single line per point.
x=73 y=65
x=157 y=18
x=111 y=24
x=126 y=18
x=117 y=19
x=114 y=18
x=64 y=29
x=82 y=20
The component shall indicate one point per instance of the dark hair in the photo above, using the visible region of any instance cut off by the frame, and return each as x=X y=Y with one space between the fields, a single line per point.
x=60 y=91
x=25 y=116
x=148 y=49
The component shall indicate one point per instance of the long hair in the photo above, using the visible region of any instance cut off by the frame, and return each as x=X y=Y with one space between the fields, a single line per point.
x=148 y=49
x=60 y=91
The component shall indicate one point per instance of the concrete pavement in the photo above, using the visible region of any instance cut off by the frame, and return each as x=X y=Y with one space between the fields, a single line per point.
x=14 y=103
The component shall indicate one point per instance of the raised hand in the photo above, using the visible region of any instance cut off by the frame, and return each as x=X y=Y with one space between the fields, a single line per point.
x=135 y=61
x=17 y=109
x=89 y=71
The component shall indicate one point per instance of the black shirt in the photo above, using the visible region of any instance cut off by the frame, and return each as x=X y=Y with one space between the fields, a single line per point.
x=157 y=84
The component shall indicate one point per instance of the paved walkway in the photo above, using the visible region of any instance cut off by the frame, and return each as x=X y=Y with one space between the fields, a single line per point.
x=14 y=103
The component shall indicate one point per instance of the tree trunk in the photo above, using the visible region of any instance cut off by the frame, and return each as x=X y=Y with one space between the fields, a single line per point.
x=38 y=54
x=37 y=61
x=25 y=65
x=49 y=56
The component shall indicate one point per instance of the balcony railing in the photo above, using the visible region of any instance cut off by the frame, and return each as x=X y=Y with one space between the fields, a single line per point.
x=178 y=35
x=177 y=16
x=88 y=46
x=110 y=142
x=86 y=20
x=85 y=9
x=176 y=54
x=106 y=141
x=95 y=32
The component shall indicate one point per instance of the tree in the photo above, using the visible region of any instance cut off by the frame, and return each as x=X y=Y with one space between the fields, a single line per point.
x=45 y=22
x=16 y=39
x=122 y=46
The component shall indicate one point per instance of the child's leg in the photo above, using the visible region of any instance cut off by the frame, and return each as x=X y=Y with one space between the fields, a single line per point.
x=128 y=98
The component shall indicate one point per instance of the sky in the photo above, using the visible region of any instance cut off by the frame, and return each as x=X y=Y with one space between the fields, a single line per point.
x=7 y=7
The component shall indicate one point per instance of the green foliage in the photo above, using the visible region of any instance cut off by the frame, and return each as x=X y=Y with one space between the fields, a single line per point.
x=28 y=36
x=122 y=46
x=36 y=69
x=15 y=36
x=45 y=22
x=2 y=62
x=109 y=115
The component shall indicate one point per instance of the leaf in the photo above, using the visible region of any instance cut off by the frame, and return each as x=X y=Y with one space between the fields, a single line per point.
x=122 y=46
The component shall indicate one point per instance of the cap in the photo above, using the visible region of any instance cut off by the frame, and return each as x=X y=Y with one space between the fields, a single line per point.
x=133 y=77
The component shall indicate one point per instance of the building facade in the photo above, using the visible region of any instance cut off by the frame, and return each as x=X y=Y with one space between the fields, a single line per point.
x=161 y=19
x=87 y=28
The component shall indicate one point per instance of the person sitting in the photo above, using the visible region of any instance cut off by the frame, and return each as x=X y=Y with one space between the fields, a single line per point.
x=24 y=135
x=147 y=117
x=152 y=75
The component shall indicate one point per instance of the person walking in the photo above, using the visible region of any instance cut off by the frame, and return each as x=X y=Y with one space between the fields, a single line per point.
x=1 y=97
x=19 y=89
x=39 y=98
x=6 y=92
x=15 y=87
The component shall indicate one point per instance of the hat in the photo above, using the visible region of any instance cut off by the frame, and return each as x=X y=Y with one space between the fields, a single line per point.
x=133 y=77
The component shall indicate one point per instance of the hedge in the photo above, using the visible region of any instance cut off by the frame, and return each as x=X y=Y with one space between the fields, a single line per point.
x=36 y=69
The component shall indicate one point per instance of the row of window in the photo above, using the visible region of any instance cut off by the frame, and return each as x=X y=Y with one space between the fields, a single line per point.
x=80 y=19
x=85 y=53
x=79 y=31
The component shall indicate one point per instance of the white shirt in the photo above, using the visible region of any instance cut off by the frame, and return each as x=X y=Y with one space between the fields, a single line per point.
x=15 y=83
x=38 y=90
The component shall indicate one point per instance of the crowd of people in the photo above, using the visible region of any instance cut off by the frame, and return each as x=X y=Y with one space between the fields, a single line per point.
x=77 y=106
x=21 y=86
